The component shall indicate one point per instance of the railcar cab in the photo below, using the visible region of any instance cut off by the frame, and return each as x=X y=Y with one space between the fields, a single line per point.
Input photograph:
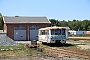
x=58 y=35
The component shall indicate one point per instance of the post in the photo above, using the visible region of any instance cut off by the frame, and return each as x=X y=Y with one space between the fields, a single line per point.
x=28 y=32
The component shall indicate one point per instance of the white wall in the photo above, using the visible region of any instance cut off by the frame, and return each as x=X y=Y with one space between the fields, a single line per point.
x=72 y=32
x=80 y=32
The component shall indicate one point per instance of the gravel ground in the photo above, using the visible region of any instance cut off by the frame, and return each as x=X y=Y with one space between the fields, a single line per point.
x=41 y=57
x=6 y=41
x=84 y=47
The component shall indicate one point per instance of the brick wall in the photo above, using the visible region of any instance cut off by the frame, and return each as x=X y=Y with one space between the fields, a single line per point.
x=10 y=28
x=5 y=27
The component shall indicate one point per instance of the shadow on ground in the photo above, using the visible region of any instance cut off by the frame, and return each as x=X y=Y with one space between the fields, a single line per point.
x=58 y=45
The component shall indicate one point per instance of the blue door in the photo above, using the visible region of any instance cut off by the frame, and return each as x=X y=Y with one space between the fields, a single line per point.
x=19 y=33
x=34 y=32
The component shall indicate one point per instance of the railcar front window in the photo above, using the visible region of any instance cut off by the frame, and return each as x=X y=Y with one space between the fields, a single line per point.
x=63 y=31
x=52 y=32
x=56 y=32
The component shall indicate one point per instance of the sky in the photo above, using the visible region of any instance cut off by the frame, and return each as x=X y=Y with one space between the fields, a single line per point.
x=52 y=9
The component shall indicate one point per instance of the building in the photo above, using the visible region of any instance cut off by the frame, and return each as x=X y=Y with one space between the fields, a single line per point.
x=24 y=28
x=88 y=32
x=73 y=32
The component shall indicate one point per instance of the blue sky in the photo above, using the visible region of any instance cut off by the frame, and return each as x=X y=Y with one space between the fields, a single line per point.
x=56 y=9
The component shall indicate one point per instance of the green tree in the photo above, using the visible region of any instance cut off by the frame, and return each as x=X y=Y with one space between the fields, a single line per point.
x=73 y=24
x=54 y=22
x=85 y=24
x=1 y=22
x=88 y=28
x=63 y=23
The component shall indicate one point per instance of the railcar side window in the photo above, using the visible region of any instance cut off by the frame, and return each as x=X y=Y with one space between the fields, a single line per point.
x=44 y=32
x=63 y=31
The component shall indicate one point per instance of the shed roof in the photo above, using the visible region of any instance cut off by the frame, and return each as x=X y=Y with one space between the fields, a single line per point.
x=20 y=19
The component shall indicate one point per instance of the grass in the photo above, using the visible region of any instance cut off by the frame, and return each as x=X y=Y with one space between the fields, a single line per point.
x=82 y=42
x=15 y=51
x=64 y=46
x=69 y=46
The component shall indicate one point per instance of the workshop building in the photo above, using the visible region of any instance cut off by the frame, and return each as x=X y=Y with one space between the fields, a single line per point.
x=24 y=28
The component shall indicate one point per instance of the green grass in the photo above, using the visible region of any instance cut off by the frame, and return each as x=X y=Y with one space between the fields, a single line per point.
x=69 y=46
x=11 y=47
x=15 y=51
x=34 y=52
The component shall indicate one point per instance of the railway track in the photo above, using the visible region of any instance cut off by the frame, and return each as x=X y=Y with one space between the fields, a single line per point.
x=79 y=38
x=66 y=52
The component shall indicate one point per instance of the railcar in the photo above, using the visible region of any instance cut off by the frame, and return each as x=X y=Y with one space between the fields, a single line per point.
x=53 y=34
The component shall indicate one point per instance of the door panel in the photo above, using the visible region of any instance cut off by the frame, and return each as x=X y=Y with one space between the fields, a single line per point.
x=34 y=32
x=20 y=33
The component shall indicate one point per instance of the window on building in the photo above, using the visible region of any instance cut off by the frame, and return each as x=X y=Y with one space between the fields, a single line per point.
x=19 y=27
x=35 y=27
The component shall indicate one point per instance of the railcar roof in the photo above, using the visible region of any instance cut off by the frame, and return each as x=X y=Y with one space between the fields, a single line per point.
x=54 y=27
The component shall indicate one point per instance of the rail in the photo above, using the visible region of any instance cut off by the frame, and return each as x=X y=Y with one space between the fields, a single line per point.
x=66 y=52
x=79 y=38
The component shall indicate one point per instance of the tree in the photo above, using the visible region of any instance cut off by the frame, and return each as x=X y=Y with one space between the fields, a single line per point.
x=1 y=22
x=88 y=28
x=85 y=24
x=63 y=23
x=74 y=24
x=54 y=22
x=17 y=16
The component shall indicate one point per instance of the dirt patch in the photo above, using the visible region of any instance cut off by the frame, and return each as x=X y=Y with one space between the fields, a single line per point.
x=41 y=57
x=84 y=47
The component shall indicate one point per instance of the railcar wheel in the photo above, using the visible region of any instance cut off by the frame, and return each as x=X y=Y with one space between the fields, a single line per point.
x=58 y=42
